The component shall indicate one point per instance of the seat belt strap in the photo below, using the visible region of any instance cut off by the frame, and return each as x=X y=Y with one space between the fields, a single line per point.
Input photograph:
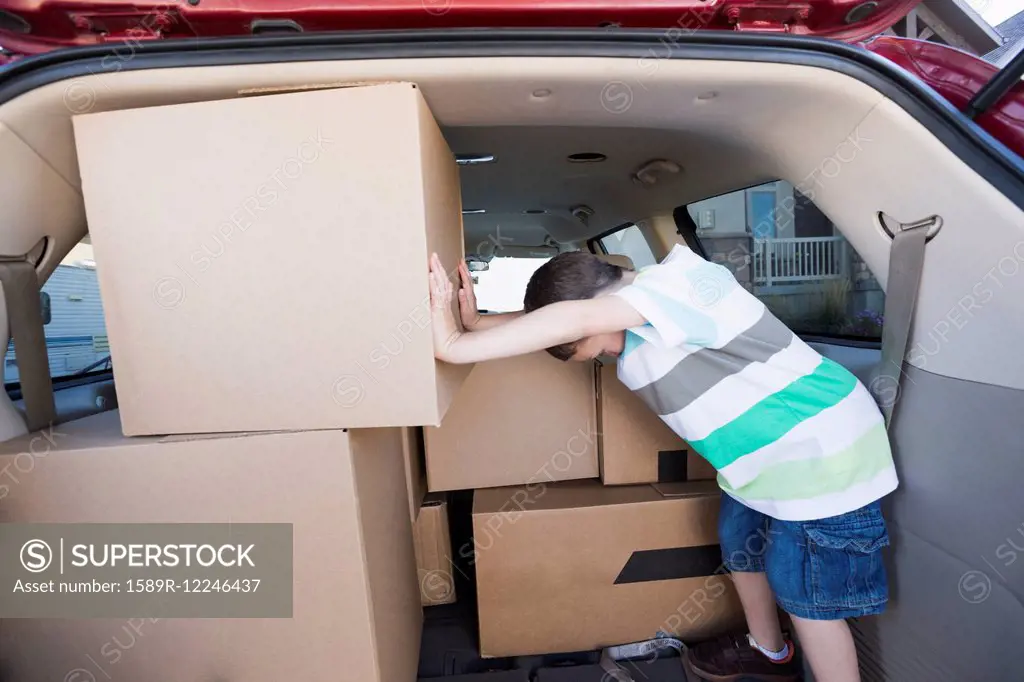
x=25 y=319
x=906 y=262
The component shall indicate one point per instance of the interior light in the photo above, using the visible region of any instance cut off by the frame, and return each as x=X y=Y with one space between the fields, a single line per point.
x=473 y=159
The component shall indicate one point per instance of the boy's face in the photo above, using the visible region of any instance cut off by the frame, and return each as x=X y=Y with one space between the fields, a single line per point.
x=593 y=347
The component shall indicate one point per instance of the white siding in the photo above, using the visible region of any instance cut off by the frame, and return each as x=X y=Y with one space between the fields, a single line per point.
x=76 y=335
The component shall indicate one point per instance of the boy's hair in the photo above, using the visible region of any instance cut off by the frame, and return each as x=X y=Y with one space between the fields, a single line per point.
x=570 y=276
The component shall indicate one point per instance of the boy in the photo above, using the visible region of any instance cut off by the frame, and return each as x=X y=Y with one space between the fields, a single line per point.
x=799 y=444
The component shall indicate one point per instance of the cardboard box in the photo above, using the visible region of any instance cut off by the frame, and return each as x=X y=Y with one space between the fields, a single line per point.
x=636 y=446
x=517 y=420
x=433 y=542
x=580 y=566
x=415 y=469
x=267 y=269
x=356 y=607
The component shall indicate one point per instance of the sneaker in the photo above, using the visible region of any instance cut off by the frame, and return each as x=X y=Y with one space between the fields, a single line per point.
x=732 y=658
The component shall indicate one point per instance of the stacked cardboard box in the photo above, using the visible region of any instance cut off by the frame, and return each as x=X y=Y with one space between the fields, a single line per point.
x=636 y=445
x=434 y=564
x=519 y=420
x=355 y=596
x=581 y=566
x=262 y=276
x=265 y=270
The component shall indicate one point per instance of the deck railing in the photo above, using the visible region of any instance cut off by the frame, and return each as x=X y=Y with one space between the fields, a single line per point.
x=797 y=260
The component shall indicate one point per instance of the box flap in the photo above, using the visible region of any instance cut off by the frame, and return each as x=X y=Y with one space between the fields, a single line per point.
x=563 y=495
x=283 y=89
x=687 y=488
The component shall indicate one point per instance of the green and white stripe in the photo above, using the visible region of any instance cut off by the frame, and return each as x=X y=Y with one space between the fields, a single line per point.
x=792 y=434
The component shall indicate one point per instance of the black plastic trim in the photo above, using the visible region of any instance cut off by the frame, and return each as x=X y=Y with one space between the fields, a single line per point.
x=13 y=388
x=847 y=341
x=687 y=229
x=595 y=241
x=996 y=89
x=977 y=148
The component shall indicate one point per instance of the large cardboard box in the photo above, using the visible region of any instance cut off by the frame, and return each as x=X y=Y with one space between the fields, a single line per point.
x=356 y=606
x=266 y=270
x=635 y=445
x=518 y=420
x=579 y=566
x=433 y=541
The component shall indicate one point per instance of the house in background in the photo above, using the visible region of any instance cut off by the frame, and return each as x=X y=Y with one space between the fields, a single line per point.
x=1012 y=33
x=76 y=336
x=780 y=246
x=948 y=22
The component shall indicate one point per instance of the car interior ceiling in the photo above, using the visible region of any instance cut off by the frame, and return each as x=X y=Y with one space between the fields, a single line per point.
x=727 y=125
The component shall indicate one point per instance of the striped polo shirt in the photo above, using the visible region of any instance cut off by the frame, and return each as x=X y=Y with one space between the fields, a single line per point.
x=792 y=434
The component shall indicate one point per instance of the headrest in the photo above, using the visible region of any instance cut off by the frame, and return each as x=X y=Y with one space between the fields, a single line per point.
x=616 y=259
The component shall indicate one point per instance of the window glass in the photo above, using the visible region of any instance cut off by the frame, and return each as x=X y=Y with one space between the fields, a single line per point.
x=501 y=287
x=630 y=242
x=76 y=336
x=787 y=252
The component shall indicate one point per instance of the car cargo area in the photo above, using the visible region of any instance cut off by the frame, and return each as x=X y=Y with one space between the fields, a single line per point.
x=259 y=234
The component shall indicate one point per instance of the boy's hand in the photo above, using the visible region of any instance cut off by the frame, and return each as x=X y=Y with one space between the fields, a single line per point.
x=445 y=329
x=467 y=299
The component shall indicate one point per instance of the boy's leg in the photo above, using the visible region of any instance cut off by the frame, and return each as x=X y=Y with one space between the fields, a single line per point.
x=744 y=535
x=759 y=609
x=823 y=572
x=828 y=647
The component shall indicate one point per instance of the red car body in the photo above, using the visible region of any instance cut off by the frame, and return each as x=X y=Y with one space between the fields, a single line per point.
x=31 y=27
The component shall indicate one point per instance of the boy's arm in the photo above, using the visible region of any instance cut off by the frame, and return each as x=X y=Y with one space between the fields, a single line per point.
x=551 y=325
x=492 y=320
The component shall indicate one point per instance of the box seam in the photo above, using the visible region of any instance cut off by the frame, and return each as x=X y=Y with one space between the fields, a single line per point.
x=364 y=562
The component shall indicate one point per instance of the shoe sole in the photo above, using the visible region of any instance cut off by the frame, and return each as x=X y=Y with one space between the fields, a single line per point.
x=742 y=677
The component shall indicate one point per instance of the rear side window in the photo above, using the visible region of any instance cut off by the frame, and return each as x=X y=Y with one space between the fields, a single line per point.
x=628 y=241
x=790 y=255
x=76 y=335
x=501 y=287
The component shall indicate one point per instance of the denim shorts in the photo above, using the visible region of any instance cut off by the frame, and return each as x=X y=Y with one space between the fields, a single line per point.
x=826 y=569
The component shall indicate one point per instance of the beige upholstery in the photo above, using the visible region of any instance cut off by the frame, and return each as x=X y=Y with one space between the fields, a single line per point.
x=729 y=124
x=616 y=259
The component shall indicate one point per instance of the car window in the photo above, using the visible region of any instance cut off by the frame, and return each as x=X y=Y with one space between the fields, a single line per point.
x=629 y=241
x=790 y=255
x=501 y=287
x=76 y=335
